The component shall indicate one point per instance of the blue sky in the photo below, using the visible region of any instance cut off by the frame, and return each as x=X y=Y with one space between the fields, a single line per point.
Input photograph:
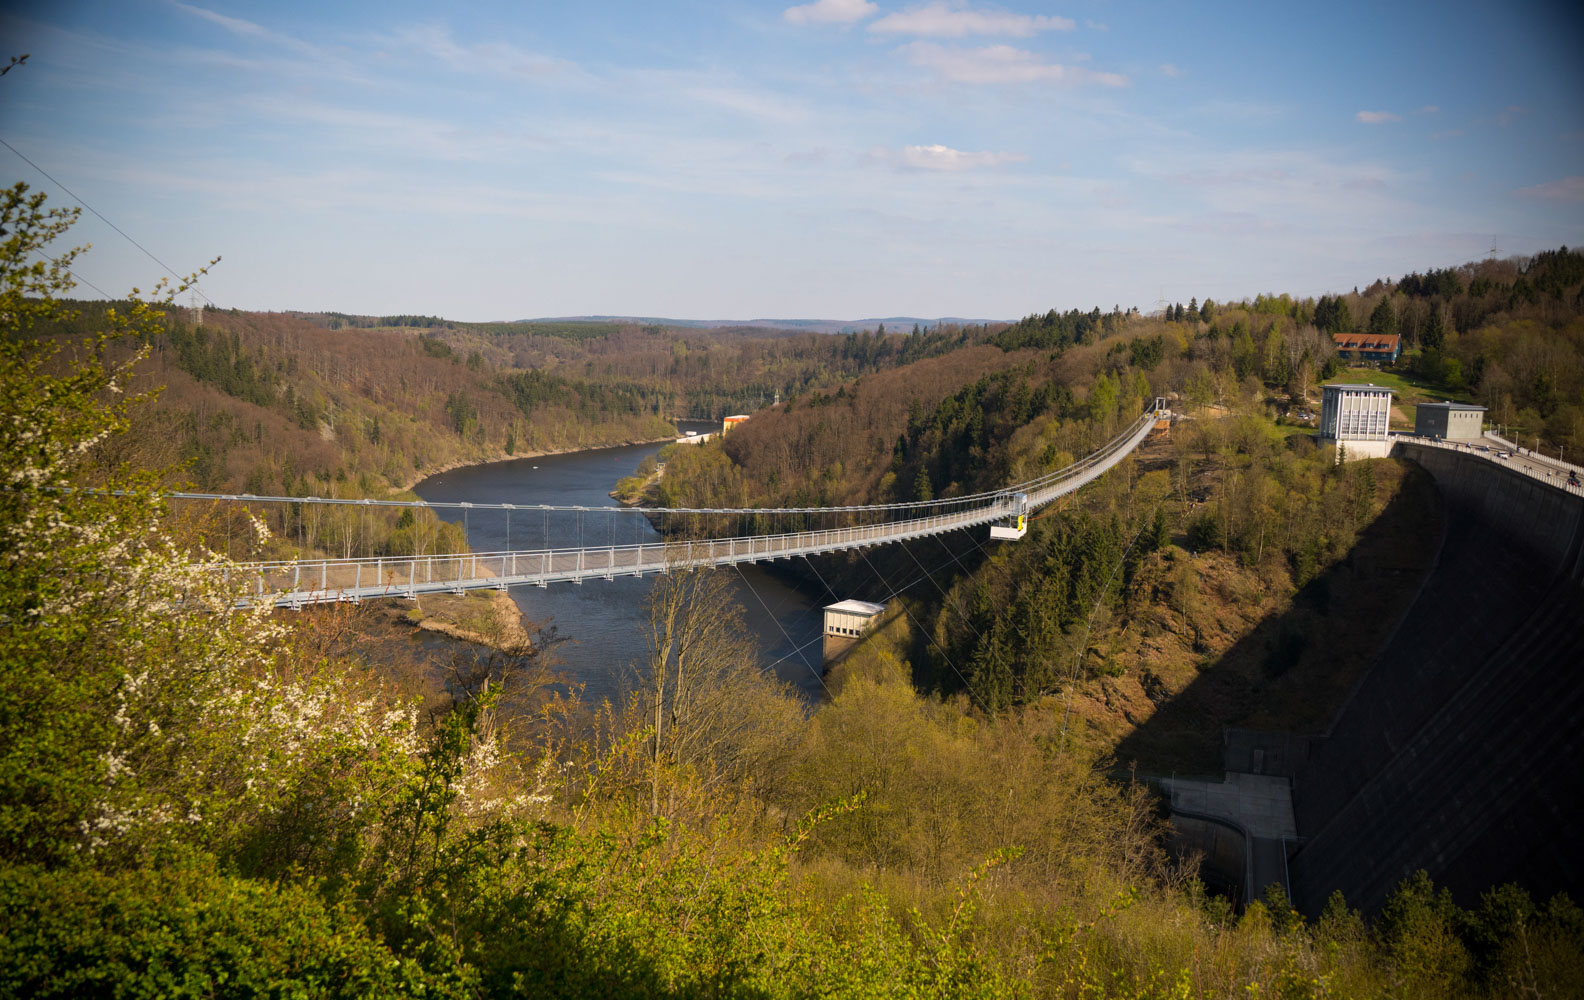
x=836 y=159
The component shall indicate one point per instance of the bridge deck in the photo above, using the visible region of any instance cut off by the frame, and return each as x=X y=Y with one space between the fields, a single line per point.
x=294 y=584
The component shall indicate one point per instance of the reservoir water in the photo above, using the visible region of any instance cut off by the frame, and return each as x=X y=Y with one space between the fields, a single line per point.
x=604 y=621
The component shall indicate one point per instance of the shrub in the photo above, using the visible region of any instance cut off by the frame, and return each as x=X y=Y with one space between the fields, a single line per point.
x=189 y=932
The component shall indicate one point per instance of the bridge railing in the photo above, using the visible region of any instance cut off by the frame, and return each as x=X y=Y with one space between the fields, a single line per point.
x=293 y=583
x=1047 y=488
x=904 y=507
x=309 y=581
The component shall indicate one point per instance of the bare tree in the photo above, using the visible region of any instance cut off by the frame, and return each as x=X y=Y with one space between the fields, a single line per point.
x=713 y=713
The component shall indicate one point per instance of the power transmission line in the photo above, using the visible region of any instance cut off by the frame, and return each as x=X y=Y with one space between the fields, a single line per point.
x=75 y=276
x=71 y=194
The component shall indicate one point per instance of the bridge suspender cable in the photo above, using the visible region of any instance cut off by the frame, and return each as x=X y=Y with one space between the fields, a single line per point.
x=944 y=596
x=897 y=593
x=1082 y=646
x=972 y=694
x=293 y=583
x=1031 y=486
x=798 y=649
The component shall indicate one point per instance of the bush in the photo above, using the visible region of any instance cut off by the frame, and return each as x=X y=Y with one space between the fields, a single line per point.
x=190 y=933
x=1204 y=532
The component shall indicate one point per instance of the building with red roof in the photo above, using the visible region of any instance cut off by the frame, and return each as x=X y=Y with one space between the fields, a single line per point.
x=1381 y=347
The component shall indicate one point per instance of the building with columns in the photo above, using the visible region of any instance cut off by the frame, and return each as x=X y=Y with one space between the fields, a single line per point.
x=1356 y=418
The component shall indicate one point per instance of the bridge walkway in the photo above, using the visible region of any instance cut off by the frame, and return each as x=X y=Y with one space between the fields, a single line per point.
x=298 y=583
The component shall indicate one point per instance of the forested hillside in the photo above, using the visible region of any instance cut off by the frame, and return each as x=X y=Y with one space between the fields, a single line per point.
x=1509 y=334
x=202 y=801
x=269 y=404
x=272 y=403
x=1122 y=598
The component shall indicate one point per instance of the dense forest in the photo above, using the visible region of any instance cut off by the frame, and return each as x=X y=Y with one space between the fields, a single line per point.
x=279 y=404
x=1237 y=495
x=1223 y=575
x=196 y=801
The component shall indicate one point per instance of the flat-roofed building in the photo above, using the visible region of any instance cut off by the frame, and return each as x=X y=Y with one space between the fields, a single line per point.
x=845 y=623
x=1449 y=420
x=1356 y=419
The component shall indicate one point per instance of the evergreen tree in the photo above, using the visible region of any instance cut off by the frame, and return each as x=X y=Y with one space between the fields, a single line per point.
x=1160 y=530
x=1384 y=318
x=1332 y=315
x=1434 y=334
x=992 y=670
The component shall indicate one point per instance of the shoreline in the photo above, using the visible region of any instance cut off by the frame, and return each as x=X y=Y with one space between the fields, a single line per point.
x=506 y=632
x=485 y=618
x=418 y=477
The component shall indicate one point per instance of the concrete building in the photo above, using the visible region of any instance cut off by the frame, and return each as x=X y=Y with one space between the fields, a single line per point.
x=733 y=421
x=1355 y=419
x=1452 y=421
x=845 y=622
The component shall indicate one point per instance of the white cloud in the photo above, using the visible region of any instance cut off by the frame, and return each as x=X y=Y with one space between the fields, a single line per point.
x=1096 y=25
x=831 y=12
x=939 y=157
x=1566 y=189
x=766 y=107
x=1170 y=69
x=1294 y=186
x=435 y=42
x=235 y=25
x=1377 y=117
x=940 y=19
x=1428 y=109
x=1001 y=64
x=250 y=29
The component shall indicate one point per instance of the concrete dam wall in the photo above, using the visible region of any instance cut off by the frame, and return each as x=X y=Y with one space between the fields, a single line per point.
x=1461 y=751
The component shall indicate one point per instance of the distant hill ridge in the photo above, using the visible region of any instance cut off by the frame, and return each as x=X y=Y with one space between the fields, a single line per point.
x=897 y=323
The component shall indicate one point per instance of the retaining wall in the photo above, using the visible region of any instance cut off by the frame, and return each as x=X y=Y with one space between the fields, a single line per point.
x=1460 y=751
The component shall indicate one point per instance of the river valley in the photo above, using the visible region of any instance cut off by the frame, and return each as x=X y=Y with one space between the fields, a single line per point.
x=604 y=621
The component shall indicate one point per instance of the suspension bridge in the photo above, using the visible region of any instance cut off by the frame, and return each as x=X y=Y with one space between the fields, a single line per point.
x=300 y=582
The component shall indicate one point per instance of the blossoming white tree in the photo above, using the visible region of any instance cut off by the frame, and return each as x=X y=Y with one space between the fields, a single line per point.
x=139 y=708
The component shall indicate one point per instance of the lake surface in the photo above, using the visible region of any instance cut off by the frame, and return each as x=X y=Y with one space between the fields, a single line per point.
x=604 y=620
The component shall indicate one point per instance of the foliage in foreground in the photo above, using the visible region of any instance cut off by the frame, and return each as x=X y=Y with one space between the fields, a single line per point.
x=196 y=801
